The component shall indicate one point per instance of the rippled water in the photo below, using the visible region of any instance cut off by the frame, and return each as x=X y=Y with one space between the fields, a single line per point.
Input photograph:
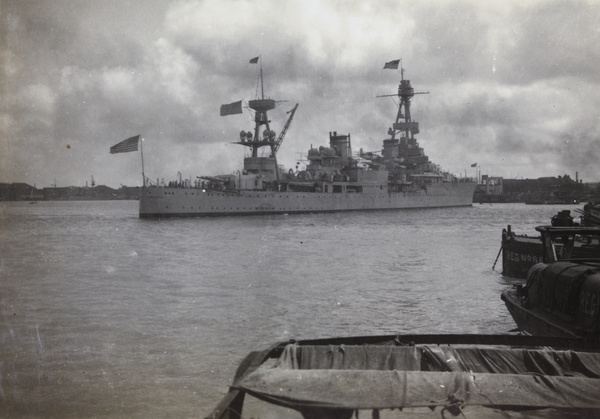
x=104 y=314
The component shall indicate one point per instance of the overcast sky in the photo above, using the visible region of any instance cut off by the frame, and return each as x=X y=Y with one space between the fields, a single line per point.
x=514 y=85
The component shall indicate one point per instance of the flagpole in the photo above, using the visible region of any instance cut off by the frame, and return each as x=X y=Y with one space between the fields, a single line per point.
x=262 y=90
x=142 y=153
x=401 y=70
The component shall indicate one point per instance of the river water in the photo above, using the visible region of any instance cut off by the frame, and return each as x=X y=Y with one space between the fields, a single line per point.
x=106 y=315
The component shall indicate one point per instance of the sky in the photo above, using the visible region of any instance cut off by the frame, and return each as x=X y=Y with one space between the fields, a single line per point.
x=514 y=86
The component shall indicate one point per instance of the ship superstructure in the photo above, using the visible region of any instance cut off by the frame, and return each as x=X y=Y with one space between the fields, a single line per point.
x=400 y=176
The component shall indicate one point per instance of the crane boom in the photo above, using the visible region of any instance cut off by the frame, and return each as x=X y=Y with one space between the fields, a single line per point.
x=283 y=131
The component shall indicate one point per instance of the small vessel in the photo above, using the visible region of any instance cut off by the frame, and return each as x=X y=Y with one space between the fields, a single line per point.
x=491 y=376
x=590 y=214
x=561 y=296
x=520 y=252
x=401 y=176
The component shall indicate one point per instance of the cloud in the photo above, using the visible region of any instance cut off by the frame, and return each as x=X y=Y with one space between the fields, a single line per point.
x=555 y=39
x=512 y=84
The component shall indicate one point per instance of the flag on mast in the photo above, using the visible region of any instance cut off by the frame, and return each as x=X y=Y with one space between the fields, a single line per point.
x=393 y=65
x=125 y=146
x=231 y=108
x=474 y=165
x=254 y=60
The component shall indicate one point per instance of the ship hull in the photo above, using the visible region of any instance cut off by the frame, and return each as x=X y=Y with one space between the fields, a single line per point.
x=167 y=202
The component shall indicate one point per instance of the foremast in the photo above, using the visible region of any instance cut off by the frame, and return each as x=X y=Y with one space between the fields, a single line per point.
x=407 y=126
x=403 y=123
x=401 y=153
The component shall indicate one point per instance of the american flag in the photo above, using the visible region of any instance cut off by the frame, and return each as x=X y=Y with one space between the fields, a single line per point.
x=231 y=109
x=392 y=65
x=125 y=146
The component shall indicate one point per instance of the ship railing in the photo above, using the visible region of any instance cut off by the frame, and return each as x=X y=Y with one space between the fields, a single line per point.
x=197 y=184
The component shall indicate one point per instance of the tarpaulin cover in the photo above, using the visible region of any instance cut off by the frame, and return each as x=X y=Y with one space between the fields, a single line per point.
x=556 y=287
x=380 y=377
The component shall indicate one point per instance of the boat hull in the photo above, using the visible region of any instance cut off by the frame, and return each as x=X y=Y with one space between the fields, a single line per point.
x=534 y=321
x=166 y=202
x=519 y=254
x=491 y=376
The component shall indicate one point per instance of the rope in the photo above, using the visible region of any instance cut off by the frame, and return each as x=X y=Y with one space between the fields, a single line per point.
x=496 y=261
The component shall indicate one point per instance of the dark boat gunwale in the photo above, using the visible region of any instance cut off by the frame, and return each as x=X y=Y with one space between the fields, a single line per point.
x=231 y=405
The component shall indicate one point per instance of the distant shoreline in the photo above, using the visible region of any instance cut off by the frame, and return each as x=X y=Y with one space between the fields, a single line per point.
x=25 y=192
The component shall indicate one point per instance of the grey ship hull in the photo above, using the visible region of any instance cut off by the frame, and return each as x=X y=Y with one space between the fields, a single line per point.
x=166 y=202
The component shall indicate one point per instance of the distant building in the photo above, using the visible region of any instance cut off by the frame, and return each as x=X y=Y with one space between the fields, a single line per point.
x=492 y=185
x=543 y=190
x=19 y=192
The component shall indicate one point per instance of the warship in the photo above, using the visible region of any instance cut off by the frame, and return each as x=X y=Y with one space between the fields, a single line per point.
x=399 y=177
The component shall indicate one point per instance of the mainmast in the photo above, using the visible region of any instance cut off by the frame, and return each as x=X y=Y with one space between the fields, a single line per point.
x=260 y=107
x=253 y=140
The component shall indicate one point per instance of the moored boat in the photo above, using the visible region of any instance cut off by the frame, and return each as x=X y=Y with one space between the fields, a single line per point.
x=401 y=176
x=559 y=299
x=520 y=252
x=562 y=296
x=417 y=376
x=590 y=214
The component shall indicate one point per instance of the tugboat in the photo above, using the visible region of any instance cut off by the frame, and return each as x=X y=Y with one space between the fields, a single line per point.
x=401 y=176
x=562 y=296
